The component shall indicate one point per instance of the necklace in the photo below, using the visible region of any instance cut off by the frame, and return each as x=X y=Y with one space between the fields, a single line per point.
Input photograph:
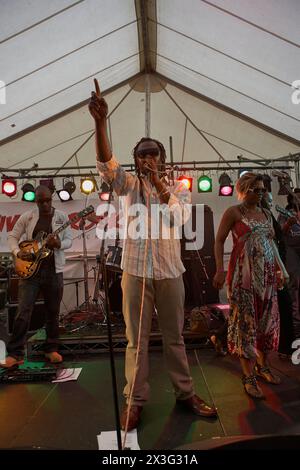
x=256 y=209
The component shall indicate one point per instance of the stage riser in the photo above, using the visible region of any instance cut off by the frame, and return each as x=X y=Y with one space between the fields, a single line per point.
x=98 y=345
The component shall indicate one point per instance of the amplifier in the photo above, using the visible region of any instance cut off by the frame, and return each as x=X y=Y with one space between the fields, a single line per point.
x=37 y=321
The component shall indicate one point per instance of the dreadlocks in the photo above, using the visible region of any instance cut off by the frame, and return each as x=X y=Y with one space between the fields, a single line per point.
x=162 y=158
x=161 y=150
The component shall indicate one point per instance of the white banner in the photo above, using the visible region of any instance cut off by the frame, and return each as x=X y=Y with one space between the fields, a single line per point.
x=11 y=211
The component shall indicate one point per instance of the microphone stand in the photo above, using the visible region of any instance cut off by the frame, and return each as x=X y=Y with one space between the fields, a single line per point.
x=97 y=292
x=102 y=267
x=85 y=270
x=206 y=277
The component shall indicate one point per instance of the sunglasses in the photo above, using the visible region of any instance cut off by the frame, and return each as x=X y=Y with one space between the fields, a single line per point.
x=144 y=153
x=38 y=201
x=257 y=190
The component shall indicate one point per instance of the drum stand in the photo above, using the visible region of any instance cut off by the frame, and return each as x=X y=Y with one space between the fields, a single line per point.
x=92 y=312
x=91 y=308
x=97 y=292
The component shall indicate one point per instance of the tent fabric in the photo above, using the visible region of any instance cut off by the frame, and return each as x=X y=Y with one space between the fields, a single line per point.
x=221 y=54
x=49 y=67
x=227 y=65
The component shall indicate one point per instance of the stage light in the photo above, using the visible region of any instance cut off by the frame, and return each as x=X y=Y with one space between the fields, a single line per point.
x=226 y=186
x=28 y=192
x=204 y=184
x=243 y=171
x=188 y=182
x=267 y=183
x=285 y=182
x=9 y=187
x=87 y=185
x=69 y=187
x=104 y=192
x=64 y=195
x=49 y=183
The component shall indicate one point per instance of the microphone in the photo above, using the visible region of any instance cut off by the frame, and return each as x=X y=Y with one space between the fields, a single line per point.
x=151 y=170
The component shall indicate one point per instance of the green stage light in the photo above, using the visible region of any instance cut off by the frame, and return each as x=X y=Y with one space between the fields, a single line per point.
x=28 y=193
x=204 y=184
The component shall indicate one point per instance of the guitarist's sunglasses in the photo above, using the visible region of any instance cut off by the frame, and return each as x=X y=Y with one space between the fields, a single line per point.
x=47 y=199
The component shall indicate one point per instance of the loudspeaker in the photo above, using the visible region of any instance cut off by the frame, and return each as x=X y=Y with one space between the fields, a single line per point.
x=38 y=317
x=115 y=295
x=200 y=265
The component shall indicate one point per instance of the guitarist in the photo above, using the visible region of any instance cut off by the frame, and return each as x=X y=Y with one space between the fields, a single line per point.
x=48 y=279
x=291 y=230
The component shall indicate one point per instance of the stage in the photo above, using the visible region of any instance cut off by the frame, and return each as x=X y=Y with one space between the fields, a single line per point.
x=71 y=415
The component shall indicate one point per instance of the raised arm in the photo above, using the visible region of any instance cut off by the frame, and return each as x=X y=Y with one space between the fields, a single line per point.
x=99 y=109
x=109 y=168
x=225 y=226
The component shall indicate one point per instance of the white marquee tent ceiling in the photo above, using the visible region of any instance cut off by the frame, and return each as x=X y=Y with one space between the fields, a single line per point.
x=227 y=64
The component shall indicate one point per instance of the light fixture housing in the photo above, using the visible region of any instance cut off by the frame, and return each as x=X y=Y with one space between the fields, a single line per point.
x=204 y=184
x=87 y=185
x=285 y=184
x=243 y=171
x=267 y=182
x=9 y=187
x=226 y=187
x=65 y=194
x=187 y=181
x=28 y=192
x=49 y=184
x=104 y=192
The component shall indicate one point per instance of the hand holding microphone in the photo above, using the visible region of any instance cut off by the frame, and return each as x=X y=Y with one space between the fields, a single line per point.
x=152 y=171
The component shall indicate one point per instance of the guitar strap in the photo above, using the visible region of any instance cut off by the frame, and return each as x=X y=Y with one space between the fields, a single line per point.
x=44 y=224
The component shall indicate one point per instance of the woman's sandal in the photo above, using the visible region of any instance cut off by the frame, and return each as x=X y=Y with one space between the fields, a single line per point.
x=265 y=373
x=251 y=387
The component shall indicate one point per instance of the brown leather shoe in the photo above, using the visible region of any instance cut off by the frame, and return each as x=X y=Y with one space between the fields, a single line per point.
x=134 y=417
x=11 y=362
x=198 y=406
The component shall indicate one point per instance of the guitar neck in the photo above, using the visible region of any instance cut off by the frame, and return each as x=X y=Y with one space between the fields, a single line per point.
x=65 y=225
x=78 y=216
x=283 y=211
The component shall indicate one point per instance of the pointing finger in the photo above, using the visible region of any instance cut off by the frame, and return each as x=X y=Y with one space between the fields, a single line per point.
x=97 y=88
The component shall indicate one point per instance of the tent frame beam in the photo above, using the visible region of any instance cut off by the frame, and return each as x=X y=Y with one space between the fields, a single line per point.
x=25 y=173
x=146 y=12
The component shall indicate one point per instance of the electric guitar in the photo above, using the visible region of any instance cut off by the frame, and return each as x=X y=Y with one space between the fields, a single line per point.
x=287 y=213
x=38 y=250
x=284 y=212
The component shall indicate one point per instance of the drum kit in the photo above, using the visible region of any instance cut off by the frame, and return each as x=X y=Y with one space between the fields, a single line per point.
x=92 y=311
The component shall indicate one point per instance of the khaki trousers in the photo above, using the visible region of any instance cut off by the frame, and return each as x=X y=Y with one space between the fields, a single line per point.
x=167 y=295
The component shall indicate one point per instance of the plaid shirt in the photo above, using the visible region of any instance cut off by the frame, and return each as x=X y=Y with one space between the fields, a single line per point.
x=163 y=254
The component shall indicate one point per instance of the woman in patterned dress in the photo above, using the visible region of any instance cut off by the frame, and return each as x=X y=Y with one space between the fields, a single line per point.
x=255 y=272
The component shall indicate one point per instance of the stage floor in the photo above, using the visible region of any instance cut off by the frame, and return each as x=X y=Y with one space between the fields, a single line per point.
x=71 y=415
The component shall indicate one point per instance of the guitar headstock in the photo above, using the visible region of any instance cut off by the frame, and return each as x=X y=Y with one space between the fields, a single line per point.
x=88 y=210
